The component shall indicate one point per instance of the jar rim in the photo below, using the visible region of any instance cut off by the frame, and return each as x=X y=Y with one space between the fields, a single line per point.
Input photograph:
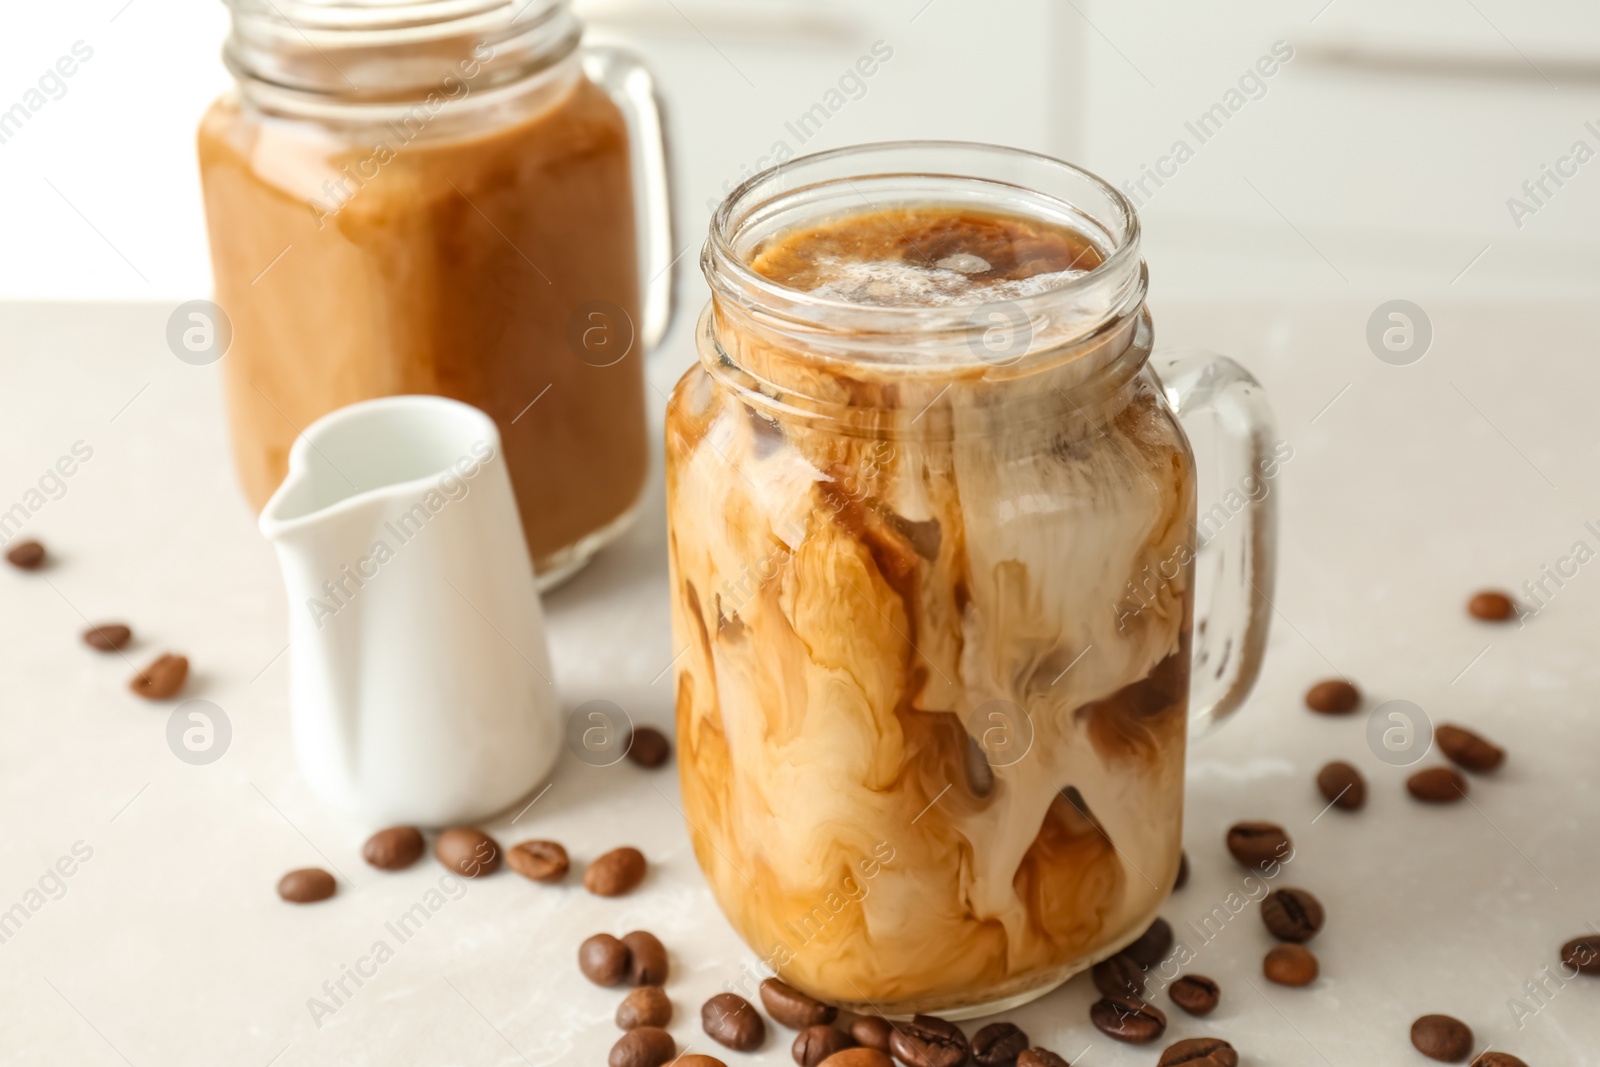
x=384 y=51
x=1104 y=289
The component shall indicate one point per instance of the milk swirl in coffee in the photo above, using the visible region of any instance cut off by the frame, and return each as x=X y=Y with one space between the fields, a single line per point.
x=922 y=752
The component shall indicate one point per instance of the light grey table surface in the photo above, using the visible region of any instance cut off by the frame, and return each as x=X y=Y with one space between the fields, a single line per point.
x=1409 y=488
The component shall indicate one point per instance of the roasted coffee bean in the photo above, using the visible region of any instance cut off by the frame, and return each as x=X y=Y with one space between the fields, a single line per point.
x=468 y=851
x=793 y=1008
x=816 y=1043
x=1128 y=1019
x=107 y=637
x=1467 y=749
x=695 y=1059
x=648 y=747
x=604 y=959
x=1342 y=785
x=1195 y=994
x=871 y=1032
x=1153 y=945
x=615 y=873
x=1582 y=954
x=1041 y=1057
x=1437 y=785
x=1333 y=697
x=394 y=849
x=643 y=1046
x=730 y=1020
x=858 y=1057
x=1257 y=844
x=647 y=958
x=1118 y=976
x=1439 y=1037
x=26 y=555
x=1200 y=1052
x=646 y=1006
x=928 y=1041
x=162 y=679
x=1290 y=965
x=306 y=886
x=1492 y=606
x=1292 y=915
x=1183 y=872
x=540 y=861
x=1497 y=1059
x=998 y=1045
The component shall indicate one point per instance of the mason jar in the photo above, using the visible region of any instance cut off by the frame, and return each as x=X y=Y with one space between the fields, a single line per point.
x=439 y=197
x=933 y=539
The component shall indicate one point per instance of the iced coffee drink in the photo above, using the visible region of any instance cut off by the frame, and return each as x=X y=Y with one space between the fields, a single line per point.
x=443 y=208
x=931 y=742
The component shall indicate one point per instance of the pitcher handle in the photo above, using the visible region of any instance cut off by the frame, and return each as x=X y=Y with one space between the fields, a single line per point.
x=1231 y=628
x=632 y=87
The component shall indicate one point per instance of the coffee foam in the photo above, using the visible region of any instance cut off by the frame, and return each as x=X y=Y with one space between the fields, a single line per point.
x=950 y=282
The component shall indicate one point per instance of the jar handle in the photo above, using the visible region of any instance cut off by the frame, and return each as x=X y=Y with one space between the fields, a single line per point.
x=1239 y=534
x=633 y=88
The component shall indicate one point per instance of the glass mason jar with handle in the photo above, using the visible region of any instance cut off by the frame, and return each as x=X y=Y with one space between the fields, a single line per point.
x=438 y=196
x=933 y=541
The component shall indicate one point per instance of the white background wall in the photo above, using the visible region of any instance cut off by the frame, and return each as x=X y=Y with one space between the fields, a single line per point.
x=1386 y=171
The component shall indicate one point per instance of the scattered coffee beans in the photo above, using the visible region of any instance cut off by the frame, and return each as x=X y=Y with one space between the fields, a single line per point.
x=604 y=959
x=1153 y=945
x=1491 y=606
x=1183 y=872
x=1041 y=1057
x=1290 y=965
x=540 y=861
x=1342 y=785
x=793 y=1008
x=648 y=747
x=394 y=849
x=1437 y=785
x=162 y=679
x=1333 y=697
x=1497 y=1059
x=643 y=1046
x=871 y=1032
x=1292 y=915
x=646 y=1006
x=928 y=1041
x=1582 y=954
x=647 y=958
x=998 y=1045
x=858 y=1057
x=617 y=872
x=816 y=1043
x=26 y=555
x=467 y=851
x=306 y=886
x=1118 y=976
x=107 y=637
x=1256 y=844
x=730 y=1020
x=1439 y=1037
x=1195 y=994
x=1128 y=1019
x=1200 y=1052
x=1466 y=749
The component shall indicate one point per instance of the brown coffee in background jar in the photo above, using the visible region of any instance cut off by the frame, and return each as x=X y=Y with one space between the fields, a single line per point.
x=437 y=198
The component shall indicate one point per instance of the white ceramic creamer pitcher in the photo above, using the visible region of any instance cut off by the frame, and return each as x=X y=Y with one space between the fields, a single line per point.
x=420 y=681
